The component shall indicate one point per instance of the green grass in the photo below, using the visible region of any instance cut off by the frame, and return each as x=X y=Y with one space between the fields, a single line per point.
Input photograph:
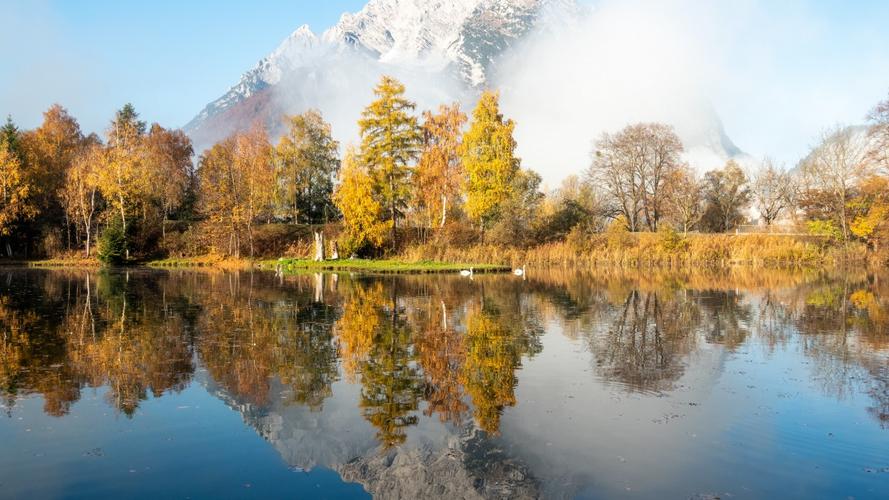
x=379 y=266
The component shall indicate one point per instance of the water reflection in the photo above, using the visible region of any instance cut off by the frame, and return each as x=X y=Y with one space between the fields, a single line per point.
x=430 y=365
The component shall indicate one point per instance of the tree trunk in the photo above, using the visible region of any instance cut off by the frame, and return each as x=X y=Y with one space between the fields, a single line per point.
x=250 y=238
x=88 y=227
x=123 y=222
x=335 y=254
x=444 y=209
x=319 y=246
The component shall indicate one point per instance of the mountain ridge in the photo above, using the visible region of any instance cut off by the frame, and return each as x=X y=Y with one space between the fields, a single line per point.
x=451 y=47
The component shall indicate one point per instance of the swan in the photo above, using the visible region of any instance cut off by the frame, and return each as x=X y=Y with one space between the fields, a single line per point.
x=465 y=272
x=519 y=272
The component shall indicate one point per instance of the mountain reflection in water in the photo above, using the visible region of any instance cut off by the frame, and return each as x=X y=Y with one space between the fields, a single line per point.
x=567 y=384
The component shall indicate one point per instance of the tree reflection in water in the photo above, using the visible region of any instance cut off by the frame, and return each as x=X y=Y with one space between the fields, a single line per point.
x=417 y=345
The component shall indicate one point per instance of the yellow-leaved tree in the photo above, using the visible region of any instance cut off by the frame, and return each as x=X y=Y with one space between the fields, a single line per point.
x=488 y=155
x=439 y=172
x=16 y=202
x=237 y=184
x=80 y=195
x=122 y=178
x=390 y=142
x=362 y=213
x=168 y=166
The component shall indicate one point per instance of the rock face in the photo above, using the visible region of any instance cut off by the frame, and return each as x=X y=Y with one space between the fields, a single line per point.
x=460 y=38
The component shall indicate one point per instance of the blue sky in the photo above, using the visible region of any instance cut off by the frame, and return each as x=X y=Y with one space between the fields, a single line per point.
x=777 y=72
x=167 y=57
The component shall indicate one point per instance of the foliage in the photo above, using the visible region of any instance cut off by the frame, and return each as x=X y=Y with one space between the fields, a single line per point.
x=237 y=185
x=514 y=225
x=390 y=142
x=635 y=166
x=684 y=198
x=834 y=168
x=307 y=162
x=439 y=173
x=15 y=190
x=726 y=195
x=488 y=155
x=362 y=212
x=113 y=243
x=670 y=240
x=773 y=191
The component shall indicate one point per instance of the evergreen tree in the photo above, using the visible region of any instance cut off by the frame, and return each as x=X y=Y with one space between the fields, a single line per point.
x=390 y=142
x=489 y=160
x=10 y=135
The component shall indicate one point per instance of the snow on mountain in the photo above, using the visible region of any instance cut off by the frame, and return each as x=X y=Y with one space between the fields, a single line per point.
x=444 y=50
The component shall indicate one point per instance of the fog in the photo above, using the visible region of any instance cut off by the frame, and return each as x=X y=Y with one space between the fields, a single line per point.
x=564 y=84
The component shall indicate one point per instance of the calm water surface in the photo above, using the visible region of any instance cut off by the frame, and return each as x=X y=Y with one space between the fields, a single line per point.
x=565 y=385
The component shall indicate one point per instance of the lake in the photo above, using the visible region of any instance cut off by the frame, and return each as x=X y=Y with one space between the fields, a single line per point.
x=648 y=384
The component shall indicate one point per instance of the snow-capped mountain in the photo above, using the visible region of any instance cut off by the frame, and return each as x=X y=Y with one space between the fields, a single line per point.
x=444 y=50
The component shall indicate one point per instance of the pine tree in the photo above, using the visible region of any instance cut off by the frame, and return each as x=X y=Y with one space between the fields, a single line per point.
x=390 y=142
x=488 y=156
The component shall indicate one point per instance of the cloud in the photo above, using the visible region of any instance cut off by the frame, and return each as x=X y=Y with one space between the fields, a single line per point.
x=772 y=74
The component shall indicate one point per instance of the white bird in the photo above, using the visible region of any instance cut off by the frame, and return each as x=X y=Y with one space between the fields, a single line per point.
x=519 y=272
x=466 y=273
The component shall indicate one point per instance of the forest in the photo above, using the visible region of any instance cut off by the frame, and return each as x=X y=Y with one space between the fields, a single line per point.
x=439 y=184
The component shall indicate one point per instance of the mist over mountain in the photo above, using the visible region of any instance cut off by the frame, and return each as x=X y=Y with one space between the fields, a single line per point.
x=566 y=74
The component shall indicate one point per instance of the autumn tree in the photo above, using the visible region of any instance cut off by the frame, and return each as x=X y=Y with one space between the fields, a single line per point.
x=439 y=173
x=519 y=211
x=834 y=168
x=169 y=169
x=16 y=187
x=237 y=184
x=390 y=142
x=362 y=212
x=122 y=179
x=51 y=149
x=773 y=191
x=307 y=162
x=879 y=133
x=80 y=195
x=576 y=204
x=634 y=166
x=871 y=212
x=48 y=152
x=488 y=156
x=684 y=198
x=726 y=195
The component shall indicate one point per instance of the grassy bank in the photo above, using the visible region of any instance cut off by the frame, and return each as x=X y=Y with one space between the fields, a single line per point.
x=625 y=250
x=210 y=261
x=63 y=262
x=381 y=266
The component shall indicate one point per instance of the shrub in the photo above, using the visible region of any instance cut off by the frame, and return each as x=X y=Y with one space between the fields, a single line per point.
x=113 y=244
x=670 y=240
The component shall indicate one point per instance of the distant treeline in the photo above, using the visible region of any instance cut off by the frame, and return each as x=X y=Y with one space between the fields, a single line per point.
x=437 y=178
